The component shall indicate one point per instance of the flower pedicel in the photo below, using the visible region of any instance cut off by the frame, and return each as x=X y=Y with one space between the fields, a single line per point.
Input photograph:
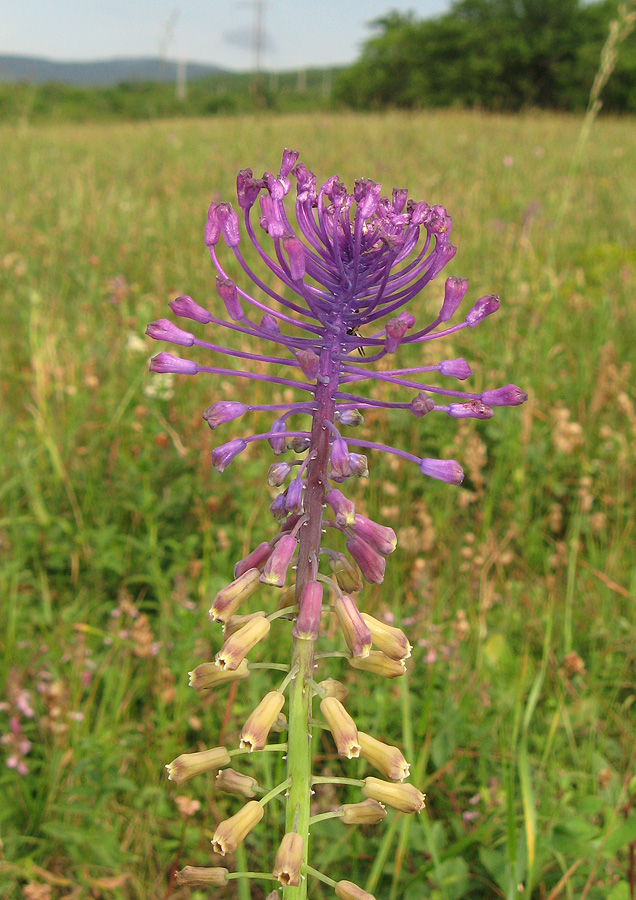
x=348 y=266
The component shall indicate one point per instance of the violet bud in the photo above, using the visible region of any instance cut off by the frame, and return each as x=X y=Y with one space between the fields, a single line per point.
x=379 y=664
x=295 y=250
x=256 y=730
x=309 y=363
x=269 y=323
x=349 y=417
x=473 y=409
x=448 y=470
x=421 y=405
x=278 y=473
x=340 y=464
x=278 y=508
x=404 y=797
x=367 y=196
x=255 y=559
x=214 y=876
x=275 y=569
x=208 y=675
x=188 y=765
x=229 y=598
x=368 y=812
x=345 y=573
x=390 y=640
x=380 y=537
x=342 y=727
x=406 y=319
x=399 y=199
x=509 y=395
x=165 y=330
x=456 y=368
x=239 y=644
x=307 y=625
x=454 y=290
x=290 y=158
x=289 y=859
x=229 y=295
x=223 y=455
x=231 y=782
x=299 y=444
x=229 y=223
x=188 y=308
x=233 y=831
x=247 y=188
x=371 y=564
x=277 y=440
x=395 y=331
x=388 y=760
x=223 y=411
x=359 y=465
x=485 y=306
x=294 y=496
x=343 y=508
x=356 y=633
x=212 y=226
x=166 y=362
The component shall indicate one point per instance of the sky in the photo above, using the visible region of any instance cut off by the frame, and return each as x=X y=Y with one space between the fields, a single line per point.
x=299 y=33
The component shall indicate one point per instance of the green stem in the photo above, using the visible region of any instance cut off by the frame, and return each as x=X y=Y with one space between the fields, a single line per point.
x=325 y=779
x=272 y=748
x=274 y=792
x=333 y=814
x=309 y=870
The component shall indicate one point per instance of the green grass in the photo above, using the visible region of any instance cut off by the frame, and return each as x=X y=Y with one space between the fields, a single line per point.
x=114 y=531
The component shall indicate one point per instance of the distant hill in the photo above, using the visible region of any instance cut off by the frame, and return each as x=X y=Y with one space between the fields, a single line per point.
x=99 y=72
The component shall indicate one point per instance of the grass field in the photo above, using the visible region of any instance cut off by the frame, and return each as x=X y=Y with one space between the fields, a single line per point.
x=516 y=589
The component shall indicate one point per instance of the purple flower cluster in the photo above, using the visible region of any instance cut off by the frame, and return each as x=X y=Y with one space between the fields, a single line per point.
x=353 y=262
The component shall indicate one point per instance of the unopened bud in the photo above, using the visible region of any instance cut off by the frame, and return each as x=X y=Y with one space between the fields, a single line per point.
x=165 y=330
x=395 y=331
x=275 y=569
x=188 y=765
x=289 y=859
x=223 y=411
x=235 y=622
x=448 y=470
x=295 y=250
x=387 y=638
x=340 y=464
x=239 y=644
x=277 y=439
x=456 y=368
x=342 y=727
x=421 y=405
x=473 y=409
x=231 y=782
x=485 y=306
x=344 y=509
x=309 y=363
x=229 y=295
x=386 y=759
x=368 y=812
x=294 y=496
x=208 y=675
x=359 y=465
x=509 y=395
x=380 y=664
x=350 y=417
x=404 y=797
x=167 y=362
x=307 y=624
x=256 y=730
x=345 y=573
x=332 y=688
x=347 y=890
x=356 y=633
x=233 y=831
x=223 y=455
x=299 y=444
x=229 y=598
x=380 y=537
x=255 y=559
x=278 y=473
x=189 y=309
x=371 y=564
x=215 y=876
x=454 y=291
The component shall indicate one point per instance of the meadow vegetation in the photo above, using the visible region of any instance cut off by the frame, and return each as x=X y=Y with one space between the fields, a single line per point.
x=517 y=589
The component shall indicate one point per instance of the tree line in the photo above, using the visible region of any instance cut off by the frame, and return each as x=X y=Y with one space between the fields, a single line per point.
x=492 y=54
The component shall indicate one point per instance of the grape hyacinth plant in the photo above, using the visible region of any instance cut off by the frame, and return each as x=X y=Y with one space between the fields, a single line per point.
x=347 y=270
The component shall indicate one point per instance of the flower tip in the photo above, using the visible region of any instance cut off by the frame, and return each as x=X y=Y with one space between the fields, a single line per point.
x=448 y=470
x=166 y=362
